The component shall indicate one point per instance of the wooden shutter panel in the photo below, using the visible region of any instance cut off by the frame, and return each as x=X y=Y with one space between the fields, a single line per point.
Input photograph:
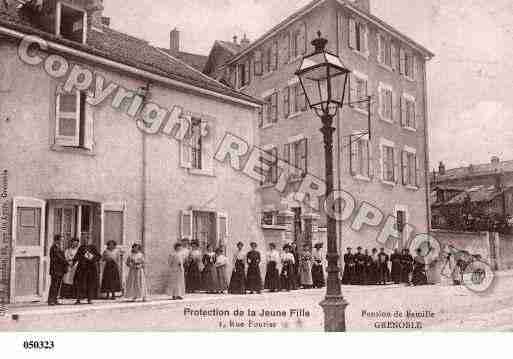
x=404 y=165
x=340 y=33
x=67 y=118
x=397 y=165
x=394 y=55
x=222 y=229
x=287 y=49
x=274 y=107
x=88 y=126
x=274 y=173
x=258 y=63
x=353 y=155
x=303 y=39
x=274 y=56
x=363 y=39
x=352 y=90
x=260 y=114
x=381 y=51
x=247 y=72
x=304 y=153
x=352 y=33
x=413 y=117
x=185 y=144
x=402 y=111
x=402 y=62
x=186 y=225
x=286 y=102
x=418 y=178
x=372 y=169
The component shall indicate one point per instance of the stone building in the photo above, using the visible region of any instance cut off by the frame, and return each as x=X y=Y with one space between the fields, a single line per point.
x=106 y=137
x=387 y=169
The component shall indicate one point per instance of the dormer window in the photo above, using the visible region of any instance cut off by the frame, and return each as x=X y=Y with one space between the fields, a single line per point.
x=71 y=22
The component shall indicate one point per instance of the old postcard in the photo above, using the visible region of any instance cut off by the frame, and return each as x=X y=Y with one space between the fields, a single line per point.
x=256 y=165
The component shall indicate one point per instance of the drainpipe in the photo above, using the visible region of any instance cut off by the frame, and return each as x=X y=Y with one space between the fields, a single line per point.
x=426 y=152
x=143 y=193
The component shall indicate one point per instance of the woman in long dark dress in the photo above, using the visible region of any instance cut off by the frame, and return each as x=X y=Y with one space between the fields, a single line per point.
x=209 y=274
x=111 y=281
x=347 y=277
x=395 y=258
x=238 y=278
x=406 y=266
x=419 y=276
x=317 y=267
x=193 y=274
x=253 y=278
x=272 y=273
x=287 y=276
x=373 y=267
x=85 y=283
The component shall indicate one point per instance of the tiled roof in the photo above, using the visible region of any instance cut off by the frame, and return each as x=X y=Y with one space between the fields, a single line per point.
x=230 y=46
x=195 y=60
x=128 y=50
x=474 y=171
x=476 y=194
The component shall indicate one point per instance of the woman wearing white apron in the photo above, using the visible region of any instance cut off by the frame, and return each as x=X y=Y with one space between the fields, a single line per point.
x=67 y=281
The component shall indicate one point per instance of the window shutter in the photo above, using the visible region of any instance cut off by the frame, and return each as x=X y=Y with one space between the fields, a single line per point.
x=363 y=39
x=258 y=63
x=286 y=102
x=381 y=97
x=404 y=165
x=381 y=52
x=67 y=115
x=186 y=225
x=394 y=55
x=287 y=51
x=352 y=34
x=353 y=160
x=380 y=169
x=402 y=110
x=247 y=72
x=397 y=165
x=371 y=160
x=274 y=59
x=304 y=154
x=222 y=229
x=417 y=172
x=274 y=168
x=352 y=90
x=286 y=152
x=88 y=127
x=303 y=39
x=274 y=107
x=186 y=144
x=402 y=62
x=340 y=33
x=260 y=113
x=413 y=118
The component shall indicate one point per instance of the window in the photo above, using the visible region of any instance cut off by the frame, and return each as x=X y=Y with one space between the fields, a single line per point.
x=73 y=127
x=388 y=163
x=300 y=98
x=406 y=64
x=386 y=102
x=268 y=59
x=271 y=176
x=241 y=75
x=357 y=36
x=296 y=154
x=358 y=91
x=271 y=109
x=71 y=22
x=410 y=168
x=204 y=227
x=270 y=218
x=196 y=144
x=298 y=41
x=286 y=102
x=384 y=50
x=360 y=156
x=408 y=115
x=258 y=66
x=274 y=56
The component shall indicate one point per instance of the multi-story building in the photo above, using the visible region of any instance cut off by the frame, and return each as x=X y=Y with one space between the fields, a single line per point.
x=106 y=137
x=387 y=169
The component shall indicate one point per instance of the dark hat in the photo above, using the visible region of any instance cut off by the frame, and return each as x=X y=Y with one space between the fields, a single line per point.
x=253 y=244
x=287 y=246
x=195 y=243
x=240 y=244
x=112 y=242
x=318 y=245
x=349 y=248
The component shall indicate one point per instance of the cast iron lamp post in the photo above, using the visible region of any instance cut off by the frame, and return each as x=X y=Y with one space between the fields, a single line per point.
x=324 y=78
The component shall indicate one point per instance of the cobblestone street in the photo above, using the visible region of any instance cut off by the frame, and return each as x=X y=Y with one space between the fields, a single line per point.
x=370 y=308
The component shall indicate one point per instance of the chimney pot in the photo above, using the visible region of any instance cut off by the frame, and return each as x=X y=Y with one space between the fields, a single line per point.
x=495 y=160
x=235 y=39
x=441 y=168
x=174 y=41
x=245 y=41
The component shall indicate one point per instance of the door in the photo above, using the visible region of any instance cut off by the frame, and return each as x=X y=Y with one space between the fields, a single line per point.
x=113 y=228
x=27 y=264
x=64 y=224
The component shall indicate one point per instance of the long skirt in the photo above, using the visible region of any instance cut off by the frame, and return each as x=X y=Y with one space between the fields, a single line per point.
x=287 y=277
x=254 y=279
x=209 y=279
x=67 y=291
x=238 y=279
x=193 y=278
x=111 y=281
x=272 y=277
x=305 y=274
x=222 y=278
x=419 y=276
x=136 y=286
x=176 y=284
x=358 y=277
x=405 y=273
x=347 y=277
x=318 y=276
x=85 y=283
x=396 y=272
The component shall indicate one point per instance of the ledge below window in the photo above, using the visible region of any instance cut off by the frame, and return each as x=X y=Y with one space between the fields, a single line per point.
x=268 y=125
x=385 y=67
x=411 y=129
x=388 y=183
x=203 y=172
x=361 y=178
x=274 y=226
x=74 y=150
x=411 y=187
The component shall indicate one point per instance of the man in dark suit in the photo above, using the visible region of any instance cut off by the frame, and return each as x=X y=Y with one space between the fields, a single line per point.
x=58 y=267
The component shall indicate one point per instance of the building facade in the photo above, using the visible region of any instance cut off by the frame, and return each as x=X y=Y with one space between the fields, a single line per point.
x=387 y=169
x=129 y=157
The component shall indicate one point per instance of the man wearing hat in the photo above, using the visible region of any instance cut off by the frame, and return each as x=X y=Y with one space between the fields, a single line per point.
x=359 y=276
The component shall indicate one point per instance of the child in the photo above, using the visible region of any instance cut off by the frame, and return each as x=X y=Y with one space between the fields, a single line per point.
x=136 y=281
x=111 y=282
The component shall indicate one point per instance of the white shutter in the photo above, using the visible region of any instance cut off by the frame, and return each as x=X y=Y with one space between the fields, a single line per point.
x=381 y=98
x=353 y=156
x=185 y=145
x=222 y=229
x=404 y=167
x=304 y=39
x=352 y=90
x=364 y=39
x=418 y=177
x=402 y=62
x=372 y=169
x=379 y=55
x=402 y=111
x=352 y=33
x=67 y=118
x=88 y=127
x=340 y=33
x=186 y=225
x=397 y=165
x=393 y=51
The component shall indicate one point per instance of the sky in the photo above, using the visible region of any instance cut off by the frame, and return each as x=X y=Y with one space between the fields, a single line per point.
x=469 y=80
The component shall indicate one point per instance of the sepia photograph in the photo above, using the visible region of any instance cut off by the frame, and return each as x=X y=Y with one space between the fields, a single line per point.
x=255 y=166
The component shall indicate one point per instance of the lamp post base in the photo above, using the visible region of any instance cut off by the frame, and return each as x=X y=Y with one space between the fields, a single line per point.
x=334 y=308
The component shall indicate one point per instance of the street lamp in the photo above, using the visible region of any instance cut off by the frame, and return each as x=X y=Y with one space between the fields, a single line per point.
x=324 y=78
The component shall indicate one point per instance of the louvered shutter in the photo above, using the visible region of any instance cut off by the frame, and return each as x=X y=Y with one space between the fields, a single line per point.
x=402 y=62
x=402 y=111
x=261 y=116
x=258 y=63
x=286 y=51
x=222 y=229
x=352 y=33
x=395 y=56
x=274 y=168
x=88 y=125
x=372 y=164
x=286 y=102
x=186 y=225
x=274 y=56
x=286 y=152
x=397 y=165
x=352 y=90
x=340 y=33
x=381 y=49
x=303 y=39
x=413 y=118
x=353 y=155
x=186 y=143
x=418 y=172
x=67 y=115
x=274 y=107
x=404 y=165
x=247 y=72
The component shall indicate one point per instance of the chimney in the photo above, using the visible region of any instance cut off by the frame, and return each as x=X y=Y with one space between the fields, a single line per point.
x=94 y=9
x=174 y=41
x=106 y=21
x=441 y=168
x=495 y=160
x=498 y=182
x=235 y=39
x=244 y=42
x=362 y=4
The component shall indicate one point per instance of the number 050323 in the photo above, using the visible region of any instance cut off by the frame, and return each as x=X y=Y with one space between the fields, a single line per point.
x=38 y=344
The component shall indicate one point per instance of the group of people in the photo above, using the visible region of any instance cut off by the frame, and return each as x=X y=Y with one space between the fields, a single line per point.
x=75 y=272
x=378 y=268
x=192 y=271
